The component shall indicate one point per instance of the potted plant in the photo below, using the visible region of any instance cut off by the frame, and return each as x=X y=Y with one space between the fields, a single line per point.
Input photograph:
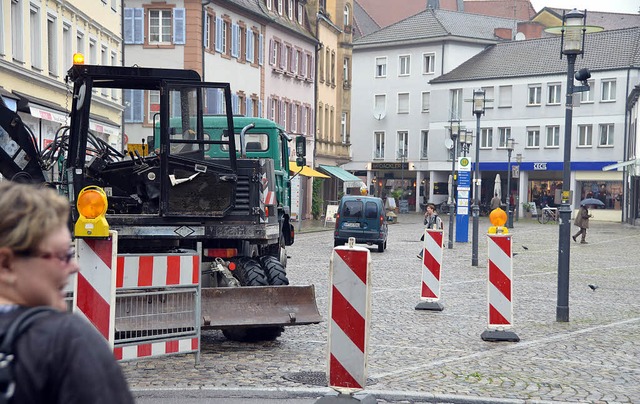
x=397 y=194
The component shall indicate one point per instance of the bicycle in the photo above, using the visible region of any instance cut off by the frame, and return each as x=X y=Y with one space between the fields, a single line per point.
x=548 y=214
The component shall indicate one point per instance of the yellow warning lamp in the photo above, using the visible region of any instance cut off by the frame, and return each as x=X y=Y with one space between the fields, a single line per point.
x=498 y=218
x=78 y=59
x=364 y=191
x=92 y=206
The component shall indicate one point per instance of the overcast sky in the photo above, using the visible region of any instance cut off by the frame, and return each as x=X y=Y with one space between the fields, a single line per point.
x=613 y=6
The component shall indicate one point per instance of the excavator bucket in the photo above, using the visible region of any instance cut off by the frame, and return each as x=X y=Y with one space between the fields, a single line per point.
x=257 y=306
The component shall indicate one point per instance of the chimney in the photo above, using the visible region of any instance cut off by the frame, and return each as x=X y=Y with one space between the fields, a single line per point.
x=434 y=4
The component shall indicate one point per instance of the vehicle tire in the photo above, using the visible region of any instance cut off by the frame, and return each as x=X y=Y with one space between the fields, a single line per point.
x=279 y=251
x=540 y=214
x=545 y=217
x=250 y=273
x=381 y=247
x=385 y=244
x=274 y=271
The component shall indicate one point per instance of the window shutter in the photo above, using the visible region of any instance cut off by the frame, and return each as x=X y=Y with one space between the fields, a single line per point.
x=259 y=108
x=247 y=107
x=312 y=72
x=303 y=65
x=178 y=26
x=282 y=112
x=138 y=25
x=261 y=50
x=235 y=104
x=235 y=31
x=283 y=56
x=219 y=28
x=249 y=46
x=221 y=104
x=271 y=45
x=205 y=30
x=312 y=127
x=138 y=105
x=128 y=109
x=128 y=25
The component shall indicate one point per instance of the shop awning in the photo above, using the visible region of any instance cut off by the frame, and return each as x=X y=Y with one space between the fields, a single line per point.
x=41 y=109
x=306 y=171
x=618 y=166
x=349 y=179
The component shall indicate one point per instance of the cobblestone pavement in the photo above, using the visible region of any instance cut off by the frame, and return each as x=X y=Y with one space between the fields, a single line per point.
x=421 y=356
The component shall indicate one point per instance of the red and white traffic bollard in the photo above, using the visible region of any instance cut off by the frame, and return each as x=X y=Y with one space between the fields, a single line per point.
x=350 y=313
x=431 y=270
x=500 y=290
x=95 y=296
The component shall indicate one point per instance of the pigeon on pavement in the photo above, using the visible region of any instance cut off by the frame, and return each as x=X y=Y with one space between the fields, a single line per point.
x=593 y=287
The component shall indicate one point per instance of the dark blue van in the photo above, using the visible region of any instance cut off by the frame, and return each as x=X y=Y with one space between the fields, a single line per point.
x=361 y=217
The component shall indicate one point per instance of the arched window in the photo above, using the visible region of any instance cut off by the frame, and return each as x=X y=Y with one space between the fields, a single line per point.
x=347 y=15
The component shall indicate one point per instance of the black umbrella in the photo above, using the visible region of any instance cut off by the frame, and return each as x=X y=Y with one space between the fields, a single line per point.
x=591 y=201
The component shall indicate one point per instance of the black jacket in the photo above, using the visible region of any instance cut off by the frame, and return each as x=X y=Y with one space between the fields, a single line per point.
x=61 y=358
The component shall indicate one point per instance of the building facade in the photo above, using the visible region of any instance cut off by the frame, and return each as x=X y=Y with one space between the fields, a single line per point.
x=37 y=43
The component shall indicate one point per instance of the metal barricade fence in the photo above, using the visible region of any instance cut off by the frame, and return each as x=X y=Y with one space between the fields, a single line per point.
x=157 y=300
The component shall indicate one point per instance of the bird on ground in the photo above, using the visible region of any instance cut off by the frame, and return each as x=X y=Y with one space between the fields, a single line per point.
x=525 y=247
x=593 y=287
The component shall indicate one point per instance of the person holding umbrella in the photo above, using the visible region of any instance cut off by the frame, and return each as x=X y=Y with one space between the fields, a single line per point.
x=582 y=221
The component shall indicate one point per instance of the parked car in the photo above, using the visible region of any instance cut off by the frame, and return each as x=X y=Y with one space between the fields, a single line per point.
x=363 y=218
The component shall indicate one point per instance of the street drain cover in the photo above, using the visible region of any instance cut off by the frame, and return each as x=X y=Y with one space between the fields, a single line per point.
x=314 y=378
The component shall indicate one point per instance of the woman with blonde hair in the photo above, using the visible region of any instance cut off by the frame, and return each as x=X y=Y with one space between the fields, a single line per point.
x=60 y=358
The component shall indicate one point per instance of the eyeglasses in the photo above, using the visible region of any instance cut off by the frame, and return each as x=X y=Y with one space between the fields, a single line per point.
x=64 y=257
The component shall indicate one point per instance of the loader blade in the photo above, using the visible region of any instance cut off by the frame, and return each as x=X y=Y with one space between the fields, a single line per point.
x=257 y=306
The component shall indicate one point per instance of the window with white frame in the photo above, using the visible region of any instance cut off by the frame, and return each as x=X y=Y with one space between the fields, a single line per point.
x=426 y=98
x=280 y=6
x=404 y=65
x=52 y=44
x=153 y=104
x=114 y=62
x=587 y=96
x=608 y=91
x=269 y=4
x=67 y=43
x=455 y=103
x=428 y=63
x=378 y=141
x=403 y=103
x=505 y=96
x=488 y=95
x=585 y=135
x=381 y=67
x=403 y=145
x=343 y=128
x=346 y=16
x=80 y=42
x=160 y=27
x=486 y=138
x=606 y=135
x=93 y=51
x=300 y=13
x=554 y=96
x=533 y=137
x=17 y=34
x=553 y=136
x=35 y=37
x=345 y=72
x=379 y=103
x=535 y=94
x=290 y=9
x=104 y=61
x=424 y=144
x=503 y=135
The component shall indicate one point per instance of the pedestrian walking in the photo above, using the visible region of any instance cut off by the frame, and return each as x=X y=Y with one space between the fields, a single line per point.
x=60 y=357
x=582 y=221
x=432 y=222
x=495 y=202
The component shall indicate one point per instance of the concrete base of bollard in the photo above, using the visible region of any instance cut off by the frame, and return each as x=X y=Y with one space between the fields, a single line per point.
x=433 y=306
x=339 y=398
x=499 y=335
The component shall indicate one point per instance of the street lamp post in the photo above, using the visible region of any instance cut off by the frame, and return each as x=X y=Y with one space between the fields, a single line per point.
x=455 y=129
x=478 y=110
x=517 y=207
x=466 y=139
x=572 y=33
x=510 y=145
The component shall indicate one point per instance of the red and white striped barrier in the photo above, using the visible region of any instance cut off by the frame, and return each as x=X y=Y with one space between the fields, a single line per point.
x=349 y=310
x=431 y=266
x=500 y=290
x=95 y=295
x=146 y=350
x=140 y=271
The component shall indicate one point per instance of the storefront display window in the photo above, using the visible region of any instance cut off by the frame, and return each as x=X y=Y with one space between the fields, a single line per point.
x=608 y=192
x=543 y=192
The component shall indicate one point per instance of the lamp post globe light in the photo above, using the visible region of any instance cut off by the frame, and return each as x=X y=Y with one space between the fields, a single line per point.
x=572 y=33
x=479 y=100
x=466 y=139
x=510 y=146
x=454 y=127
